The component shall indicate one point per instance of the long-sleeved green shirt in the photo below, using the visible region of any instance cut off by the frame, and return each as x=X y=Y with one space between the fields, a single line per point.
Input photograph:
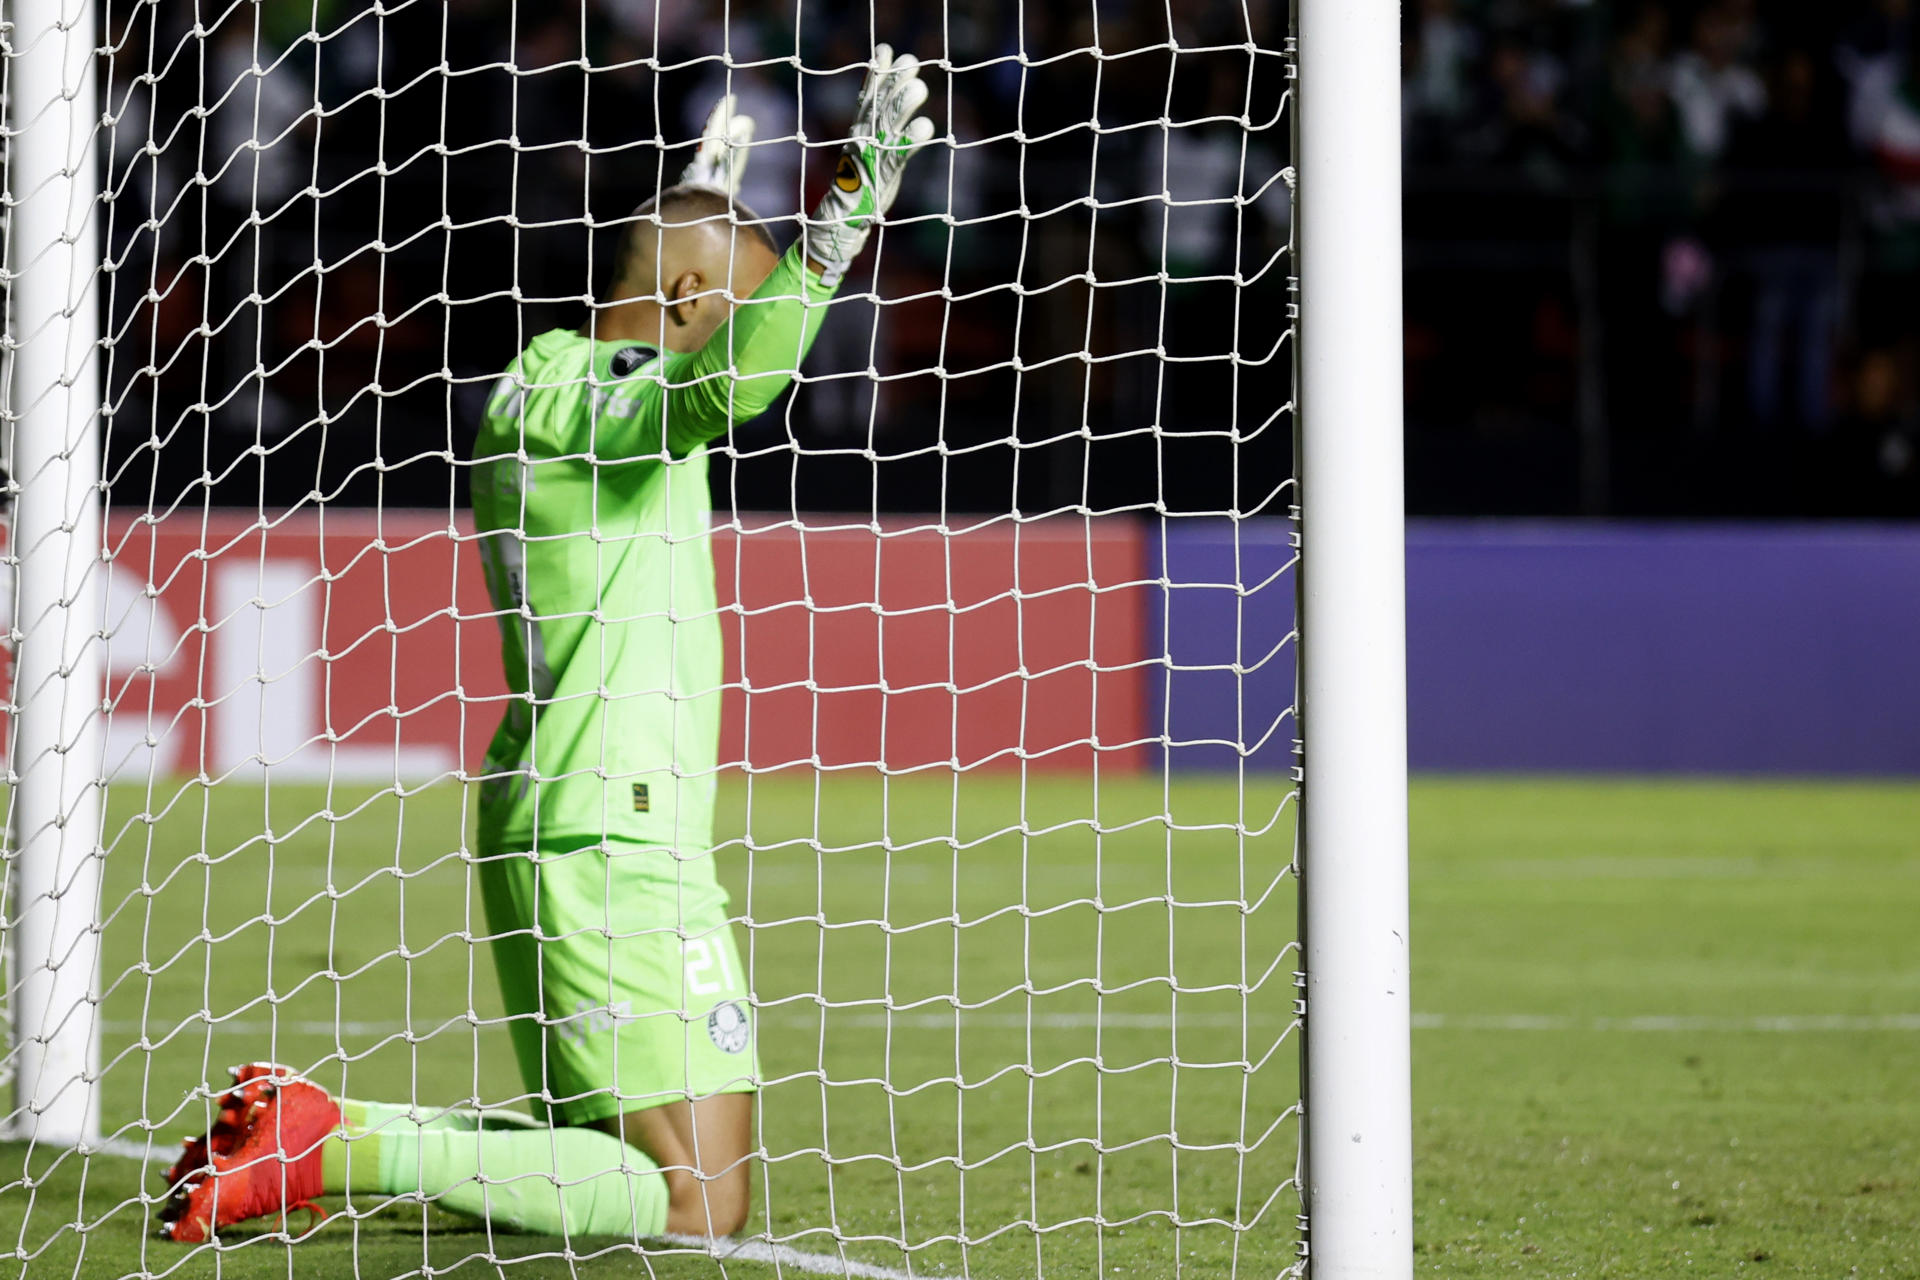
x=590 y=497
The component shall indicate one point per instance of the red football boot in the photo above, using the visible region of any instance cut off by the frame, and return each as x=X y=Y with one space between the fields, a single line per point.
x=230 y=1119
x=274 y=1167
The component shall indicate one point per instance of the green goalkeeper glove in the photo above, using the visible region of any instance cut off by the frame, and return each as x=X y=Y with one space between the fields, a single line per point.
x=721 y=160
x=866 y=180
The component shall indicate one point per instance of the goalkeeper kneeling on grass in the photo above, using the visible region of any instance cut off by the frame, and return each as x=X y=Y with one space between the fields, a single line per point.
x=626 y=997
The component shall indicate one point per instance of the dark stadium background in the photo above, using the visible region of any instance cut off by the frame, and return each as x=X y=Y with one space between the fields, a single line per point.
x=1660 y=258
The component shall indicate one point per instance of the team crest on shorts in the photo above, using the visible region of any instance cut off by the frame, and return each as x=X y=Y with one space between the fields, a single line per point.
x=728 y=1027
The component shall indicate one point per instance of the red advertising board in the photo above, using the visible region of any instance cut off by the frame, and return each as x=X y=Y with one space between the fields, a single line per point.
x=919 y=647
x=362 y=645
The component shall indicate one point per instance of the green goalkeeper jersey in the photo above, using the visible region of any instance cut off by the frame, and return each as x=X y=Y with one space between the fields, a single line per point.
x=590 y=498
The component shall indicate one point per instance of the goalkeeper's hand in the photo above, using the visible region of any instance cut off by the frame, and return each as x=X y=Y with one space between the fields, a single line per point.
x=721 y=160
x=866 y=179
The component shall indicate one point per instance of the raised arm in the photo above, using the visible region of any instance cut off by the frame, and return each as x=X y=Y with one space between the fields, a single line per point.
x=684 y=401
x=748 y=361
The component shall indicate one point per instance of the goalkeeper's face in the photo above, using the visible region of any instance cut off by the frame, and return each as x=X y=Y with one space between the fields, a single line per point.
x=696 y=275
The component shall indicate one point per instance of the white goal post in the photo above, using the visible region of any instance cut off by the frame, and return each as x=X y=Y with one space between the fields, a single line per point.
x=52 y=372
x=1359 y=1107
x=179 y=670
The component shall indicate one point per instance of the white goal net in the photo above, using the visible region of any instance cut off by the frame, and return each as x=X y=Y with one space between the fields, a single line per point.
x=990 y=694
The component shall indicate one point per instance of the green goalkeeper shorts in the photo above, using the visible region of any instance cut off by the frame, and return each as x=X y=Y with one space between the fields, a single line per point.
x=622 y=984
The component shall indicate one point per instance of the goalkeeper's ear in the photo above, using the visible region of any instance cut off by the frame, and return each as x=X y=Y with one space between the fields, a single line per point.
x=683 y=298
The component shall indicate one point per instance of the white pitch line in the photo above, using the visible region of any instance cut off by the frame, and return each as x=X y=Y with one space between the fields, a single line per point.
x=919 y=1020
x=131 y=1149
x=782 y=1255
x=1812 y=1023
x=906 y=1020
x=749 y=1250
x=824 y=1264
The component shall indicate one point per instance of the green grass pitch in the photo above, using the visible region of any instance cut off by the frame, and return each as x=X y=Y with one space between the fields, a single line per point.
x=1662 y=1028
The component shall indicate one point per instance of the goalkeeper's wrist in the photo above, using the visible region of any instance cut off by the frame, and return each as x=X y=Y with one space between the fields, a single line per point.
x=832 y=239
x=831 y=274
x=809 y=272
x=818 y=250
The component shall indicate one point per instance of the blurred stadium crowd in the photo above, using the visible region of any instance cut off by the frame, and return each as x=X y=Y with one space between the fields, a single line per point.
x=1660 y=258
x=475 y=161
x=1663 y=257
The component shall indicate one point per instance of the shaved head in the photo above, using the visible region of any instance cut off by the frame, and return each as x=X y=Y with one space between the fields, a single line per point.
x=693 y=228
x=688 y=256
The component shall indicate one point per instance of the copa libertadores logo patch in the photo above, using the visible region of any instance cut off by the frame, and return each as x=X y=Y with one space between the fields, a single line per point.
x=728 y=1027
x=627 y=359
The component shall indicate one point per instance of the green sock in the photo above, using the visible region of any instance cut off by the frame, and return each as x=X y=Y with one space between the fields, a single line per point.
x=357 y=1114
x=523 y=1177
x=367 y=1123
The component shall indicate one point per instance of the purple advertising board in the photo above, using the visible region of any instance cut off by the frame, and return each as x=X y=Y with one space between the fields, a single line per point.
x=1578 y=647
x=1225 y=623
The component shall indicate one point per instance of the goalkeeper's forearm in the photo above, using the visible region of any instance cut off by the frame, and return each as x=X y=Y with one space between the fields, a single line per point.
x=749 y=360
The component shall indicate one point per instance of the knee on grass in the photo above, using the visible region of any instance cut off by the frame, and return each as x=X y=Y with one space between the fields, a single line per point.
x=710 y=1206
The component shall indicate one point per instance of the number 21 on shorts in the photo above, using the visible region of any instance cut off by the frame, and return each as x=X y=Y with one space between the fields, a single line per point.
x=710 y=967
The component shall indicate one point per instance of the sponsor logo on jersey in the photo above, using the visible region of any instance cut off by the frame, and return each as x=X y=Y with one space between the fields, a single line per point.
x=728 y=1027
x=590 y=1019
x=641 y=802
x=846 y=174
